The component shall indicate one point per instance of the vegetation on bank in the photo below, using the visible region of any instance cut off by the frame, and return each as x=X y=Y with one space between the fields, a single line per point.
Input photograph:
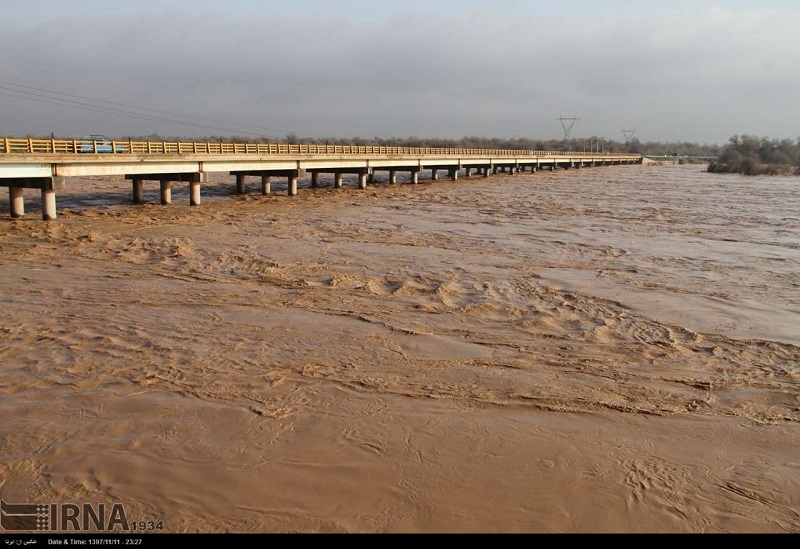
x=751 y=155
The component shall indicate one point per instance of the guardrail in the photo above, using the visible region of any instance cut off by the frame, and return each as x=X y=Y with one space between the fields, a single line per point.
x=10 y=145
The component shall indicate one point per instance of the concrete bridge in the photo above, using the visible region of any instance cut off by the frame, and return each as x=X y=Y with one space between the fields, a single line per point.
x=44 y=164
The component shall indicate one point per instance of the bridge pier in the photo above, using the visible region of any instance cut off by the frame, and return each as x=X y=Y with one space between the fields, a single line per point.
x=194 y=193
x=165 y=183
x=314 y=180
x=337 y=180
x=434 y=174
x=47 y=186
x=362 y=180
x=291 y=176
x=138 y=191
x=393 y=177
x=415 y=177
x=48 y=204
x=17 y=199
x=166 y=192
x=454 y=174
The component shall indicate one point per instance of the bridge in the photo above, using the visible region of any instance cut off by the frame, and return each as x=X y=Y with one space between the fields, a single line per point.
x=44 y=164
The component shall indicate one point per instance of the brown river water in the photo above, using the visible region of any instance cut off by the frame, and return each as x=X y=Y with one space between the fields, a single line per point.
x=606 y=349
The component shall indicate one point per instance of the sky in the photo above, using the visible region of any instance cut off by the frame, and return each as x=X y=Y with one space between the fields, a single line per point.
x=673 y=70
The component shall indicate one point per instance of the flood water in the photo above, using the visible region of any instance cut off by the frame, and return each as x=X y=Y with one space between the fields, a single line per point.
x=605 y=349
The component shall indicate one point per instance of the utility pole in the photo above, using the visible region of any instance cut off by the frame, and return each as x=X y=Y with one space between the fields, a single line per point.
x=567 y=123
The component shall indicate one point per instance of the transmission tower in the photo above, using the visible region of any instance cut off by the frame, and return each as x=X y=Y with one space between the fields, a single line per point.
x=628 y=135
x=567 y=123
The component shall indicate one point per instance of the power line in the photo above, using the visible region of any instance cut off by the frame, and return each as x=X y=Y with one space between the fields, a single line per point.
x=149 y=109
x=145 y=116
x=126 y=114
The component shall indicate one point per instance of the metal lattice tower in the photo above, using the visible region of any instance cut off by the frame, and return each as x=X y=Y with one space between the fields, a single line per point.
x=567 y=123
x=628 y=135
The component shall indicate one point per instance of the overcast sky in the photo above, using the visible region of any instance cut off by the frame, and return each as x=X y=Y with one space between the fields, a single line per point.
x=674 y=70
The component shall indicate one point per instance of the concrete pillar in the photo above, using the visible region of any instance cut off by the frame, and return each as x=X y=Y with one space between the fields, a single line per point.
x=415 y=177
x=166 y=192
x=434 y=174
x=337 y=180
x=265 y=186
x=454 y=174
x=292 y=183
x=138 y=191
x=362 y=181
x=392 y=177
x=533 y=169
x=314 y=179
x=194 y=193
x=17 y=201
x=466 y=172
x=495 y=169
x=48 y=204
x=486 y=172
x=371 y=177
x=240 y=185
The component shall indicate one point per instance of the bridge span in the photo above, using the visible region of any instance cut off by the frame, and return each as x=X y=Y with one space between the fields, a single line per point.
x=45 y=164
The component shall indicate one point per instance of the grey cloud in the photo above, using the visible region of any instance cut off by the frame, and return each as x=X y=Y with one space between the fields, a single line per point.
x=702 y=77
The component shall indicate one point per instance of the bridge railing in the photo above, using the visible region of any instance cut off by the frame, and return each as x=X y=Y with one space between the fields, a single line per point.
x=10 y=145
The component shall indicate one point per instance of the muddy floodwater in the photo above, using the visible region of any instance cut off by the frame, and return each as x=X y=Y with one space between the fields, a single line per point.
x=605 y=349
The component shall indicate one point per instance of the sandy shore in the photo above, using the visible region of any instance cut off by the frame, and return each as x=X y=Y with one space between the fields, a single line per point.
x=611 y=349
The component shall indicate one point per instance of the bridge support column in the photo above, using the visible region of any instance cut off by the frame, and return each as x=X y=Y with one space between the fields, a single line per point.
x=166 y=192
x=415 y=177
x=48 y=204
x=434 y=174
x=241 y=187
x=292 y=184
x=454 y=174
x=17 y=201
x=486 y=171
x=495 y=169
x=393 y=177
x=362 y=181
x=337 y=181
x=138 y=191
x=194 y=193
x=371 y=177
x=265 y=186
x=314 y=180
x=466 y=172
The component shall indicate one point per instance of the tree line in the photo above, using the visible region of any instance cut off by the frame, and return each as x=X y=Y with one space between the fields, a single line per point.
x=752 y=155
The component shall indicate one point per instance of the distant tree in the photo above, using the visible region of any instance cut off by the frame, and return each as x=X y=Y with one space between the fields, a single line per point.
x=751 y=155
